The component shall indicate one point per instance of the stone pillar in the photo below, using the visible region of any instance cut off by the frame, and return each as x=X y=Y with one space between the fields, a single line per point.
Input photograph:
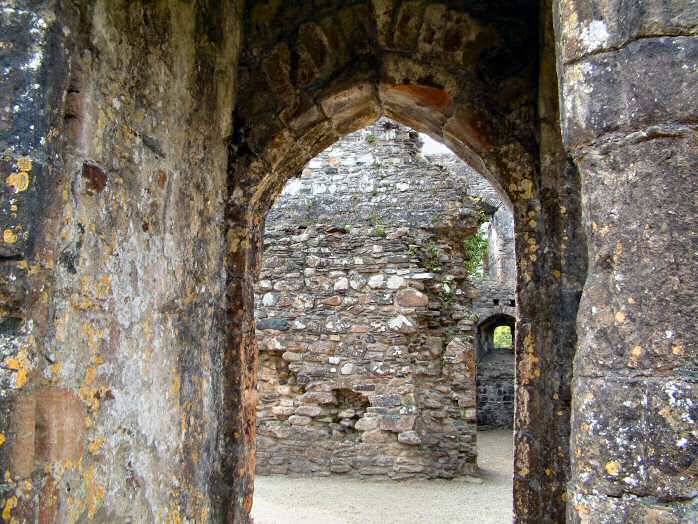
x=628 y=116
x=239 y=371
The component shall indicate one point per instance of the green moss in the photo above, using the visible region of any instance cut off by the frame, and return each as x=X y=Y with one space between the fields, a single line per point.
x=502 y=337
x=475 y=248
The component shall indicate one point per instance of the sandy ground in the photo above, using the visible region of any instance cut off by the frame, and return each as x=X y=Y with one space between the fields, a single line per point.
x=281 y=500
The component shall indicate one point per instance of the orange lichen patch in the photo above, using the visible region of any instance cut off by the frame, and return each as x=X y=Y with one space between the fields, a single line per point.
x=93 y=336
x=103 y=287
x=80 y=303
x=174 y=517
x=636 y=352
x=10 y=504
x=55 y=370
x=90 y=396
x=24 y=164
x=19 y=182
x=22 y=378
x=96 y=445
x=613 y=468
x=9 y=236
x=21 y=364
x=3 y=439
x=618 y=252
x=95 y=492
x=90 y=376
x=620 y=317
x=677 y=350
x=433 y=97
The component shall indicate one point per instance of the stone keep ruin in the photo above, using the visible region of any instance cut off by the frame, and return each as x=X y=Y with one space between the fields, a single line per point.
x=367 y=317
x=143 y=144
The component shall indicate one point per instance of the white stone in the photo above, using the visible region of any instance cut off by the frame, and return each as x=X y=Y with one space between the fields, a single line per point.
x=283 y=411
x=410 y=438
x=347 y=369
x=402 y=324
x=395 y=282
x=366 y=424
x=341 y=284
x=270 y=299
x=422 y=276
x=376 y=281
x=595 y=35
x=308 y=411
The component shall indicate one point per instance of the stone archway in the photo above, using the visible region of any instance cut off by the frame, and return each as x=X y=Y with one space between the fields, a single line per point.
x=486 y=327
x=490 y=129
x=495 y=374
x=135 y=150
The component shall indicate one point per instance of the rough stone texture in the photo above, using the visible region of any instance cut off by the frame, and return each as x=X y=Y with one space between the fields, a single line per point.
x=490 y=102
x=495 y=390
x=114 y=164
x=365 y=323
x=634 y=413
x=501 y=259
x=100 y=96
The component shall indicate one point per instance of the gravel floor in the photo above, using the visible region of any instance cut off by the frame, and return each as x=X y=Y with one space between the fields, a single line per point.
x=282 y=500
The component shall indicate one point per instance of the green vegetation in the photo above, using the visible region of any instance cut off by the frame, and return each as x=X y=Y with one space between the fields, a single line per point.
x=370 y=139
x=380 y=230
x=503 y=337
x=475 y=248
x=430 y=258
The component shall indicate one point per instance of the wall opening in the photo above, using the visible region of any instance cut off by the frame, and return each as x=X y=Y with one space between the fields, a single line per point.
x=378 y=262
x=496 y=373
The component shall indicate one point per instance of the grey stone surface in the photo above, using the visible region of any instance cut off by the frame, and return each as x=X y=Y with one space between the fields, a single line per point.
x=364 y=255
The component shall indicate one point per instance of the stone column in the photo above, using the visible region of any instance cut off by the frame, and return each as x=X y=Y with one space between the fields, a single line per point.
x=239 y=370
x=628 y=98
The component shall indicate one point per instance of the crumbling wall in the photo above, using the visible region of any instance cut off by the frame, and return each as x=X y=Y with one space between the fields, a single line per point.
x=364 y=323
x=366 y=363
x=479 y=75
x=500 y=263
x=494 y=296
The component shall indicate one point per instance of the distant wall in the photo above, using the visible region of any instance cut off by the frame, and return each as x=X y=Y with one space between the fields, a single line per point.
x=364 y=316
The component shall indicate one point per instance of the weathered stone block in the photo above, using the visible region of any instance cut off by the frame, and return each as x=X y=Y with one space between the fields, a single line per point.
x=299 y=420
x=276 y=324
x=600 y=93
x=411 y=438
x=397 y=423
x=318 y=397
x=366 y=424
x=411 y=298
x=308 y=411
